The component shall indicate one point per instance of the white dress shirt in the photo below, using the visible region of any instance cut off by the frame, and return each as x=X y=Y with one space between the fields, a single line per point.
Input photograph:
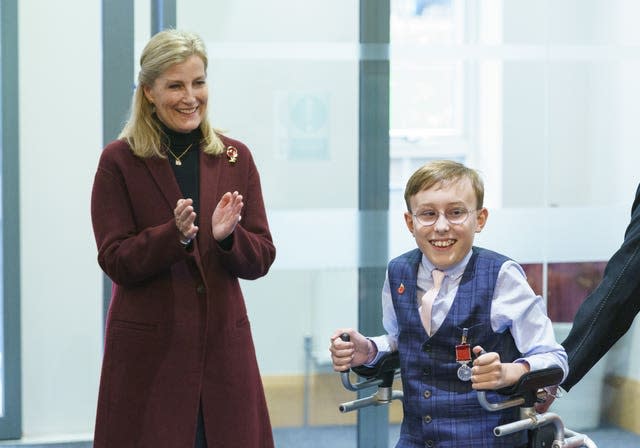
x=515 y=307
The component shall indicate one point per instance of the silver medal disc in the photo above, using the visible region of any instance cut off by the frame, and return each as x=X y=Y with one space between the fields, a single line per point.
x=464 y=372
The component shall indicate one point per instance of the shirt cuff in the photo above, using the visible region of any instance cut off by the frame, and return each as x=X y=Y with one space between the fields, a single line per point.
x=382 y=344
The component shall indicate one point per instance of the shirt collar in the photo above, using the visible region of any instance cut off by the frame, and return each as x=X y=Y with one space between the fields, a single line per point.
x=454 y=272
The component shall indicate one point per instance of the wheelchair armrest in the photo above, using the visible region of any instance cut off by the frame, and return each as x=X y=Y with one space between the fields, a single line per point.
x=381 y=374
x=530 y=382
x=387 y=363
x=524 y=393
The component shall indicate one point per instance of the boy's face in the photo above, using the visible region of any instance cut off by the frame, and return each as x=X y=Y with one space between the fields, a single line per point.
x=443 y=243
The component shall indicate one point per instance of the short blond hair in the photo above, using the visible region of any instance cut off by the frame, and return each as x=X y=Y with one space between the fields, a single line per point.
x=142 y=131
x=442 y=172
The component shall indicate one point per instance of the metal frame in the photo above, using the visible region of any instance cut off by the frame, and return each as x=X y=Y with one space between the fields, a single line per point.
x=373 y=193
x=117 y=74
x=11 y=421
x=163 y=15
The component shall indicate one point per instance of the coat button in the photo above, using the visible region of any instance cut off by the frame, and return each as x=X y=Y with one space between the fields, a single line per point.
x=426 y=347
x=426 y=371
x=200 y=289
x=429 y=444
x=427 y=394
x=427 y=419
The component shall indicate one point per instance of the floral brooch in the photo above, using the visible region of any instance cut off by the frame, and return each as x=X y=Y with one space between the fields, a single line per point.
x=232 y=154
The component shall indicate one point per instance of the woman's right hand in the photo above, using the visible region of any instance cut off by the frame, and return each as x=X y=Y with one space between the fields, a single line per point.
x=185 y=218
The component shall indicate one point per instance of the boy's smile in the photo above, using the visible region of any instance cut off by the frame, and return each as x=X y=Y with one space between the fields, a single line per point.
x=443 y=243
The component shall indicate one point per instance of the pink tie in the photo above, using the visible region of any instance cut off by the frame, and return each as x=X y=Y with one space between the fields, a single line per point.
x=428 y=298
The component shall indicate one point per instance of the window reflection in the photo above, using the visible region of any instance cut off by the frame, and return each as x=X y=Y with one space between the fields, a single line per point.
x=540 y=97
x=428 y=96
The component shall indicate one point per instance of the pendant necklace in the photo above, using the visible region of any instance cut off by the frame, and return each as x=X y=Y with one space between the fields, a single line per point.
x=178 y=162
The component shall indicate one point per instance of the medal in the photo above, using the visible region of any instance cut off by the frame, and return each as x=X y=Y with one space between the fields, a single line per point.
x=464 y=372
x=463 y=356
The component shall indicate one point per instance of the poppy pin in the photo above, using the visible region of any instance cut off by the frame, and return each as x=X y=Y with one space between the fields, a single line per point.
x=232 y=154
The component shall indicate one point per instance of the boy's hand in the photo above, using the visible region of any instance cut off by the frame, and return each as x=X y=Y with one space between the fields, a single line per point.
x=489 y=373
x=353 y=353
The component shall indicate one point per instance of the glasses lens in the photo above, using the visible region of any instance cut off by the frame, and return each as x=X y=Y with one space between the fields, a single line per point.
x=456 y=215
x=427 y=217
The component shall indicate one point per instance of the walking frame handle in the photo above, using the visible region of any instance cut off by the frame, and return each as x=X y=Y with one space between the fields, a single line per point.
x=381 y=375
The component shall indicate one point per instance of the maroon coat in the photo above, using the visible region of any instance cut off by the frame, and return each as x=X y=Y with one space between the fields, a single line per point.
x=177 y=330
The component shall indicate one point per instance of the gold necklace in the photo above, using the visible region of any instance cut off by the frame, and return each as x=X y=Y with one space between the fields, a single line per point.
x=178 y=162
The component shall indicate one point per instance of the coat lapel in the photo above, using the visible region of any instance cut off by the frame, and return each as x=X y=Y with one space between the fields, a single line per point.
x=165 y=180
x=210 y=168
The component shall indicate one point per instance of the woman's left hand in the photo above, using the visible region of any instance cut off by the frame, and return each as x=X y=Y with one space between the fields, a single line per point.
x=226 y=216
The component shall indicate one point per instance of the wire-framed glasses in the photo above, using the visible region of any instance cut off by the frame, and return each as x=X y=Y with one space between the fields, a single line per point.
x=455 y=215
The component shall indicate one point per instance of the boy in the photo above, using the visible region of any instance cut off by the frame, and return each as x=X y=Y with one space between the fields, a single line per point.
x=484 y=302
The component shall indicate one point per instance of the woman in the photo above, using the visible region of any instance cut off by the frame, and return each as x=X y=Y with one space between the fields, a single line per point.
x=178 y=217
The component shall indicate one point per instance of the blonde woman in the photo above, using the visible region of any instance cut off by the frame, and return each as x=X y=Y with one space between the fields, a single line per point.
x=178 y=218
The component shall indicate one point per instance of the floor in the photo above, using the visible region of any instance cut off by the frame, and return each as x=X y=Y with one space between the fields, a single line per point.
x=345 y=437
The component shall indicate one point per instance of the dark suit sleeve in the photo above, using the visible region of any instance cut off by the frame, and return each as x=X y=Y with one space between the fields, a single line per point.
x=608 y=312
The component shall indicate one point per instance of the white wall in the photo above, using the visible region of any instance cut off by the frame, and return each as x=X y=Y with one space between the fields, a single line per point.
x=571 y=130
x=266 y=59
x=569 y=103
x=60 y=141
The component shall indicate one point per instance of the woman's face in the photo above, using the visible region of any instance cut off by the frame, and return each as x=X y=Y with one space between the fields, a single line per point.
x=180 y=95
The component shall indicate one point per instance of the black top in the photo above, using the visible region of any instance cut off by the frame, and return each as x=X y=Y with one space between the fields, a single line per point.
x=183 y=152
x=187 y=172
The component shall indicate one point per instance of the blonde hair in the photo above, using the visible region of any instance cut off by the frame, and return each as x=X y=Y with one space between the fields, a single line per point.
x=142 y=131
x=443 y=172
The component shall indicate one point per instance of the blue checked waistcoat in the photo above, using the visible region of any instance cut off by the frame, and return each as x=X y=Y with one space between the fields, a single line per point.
x=439 y=409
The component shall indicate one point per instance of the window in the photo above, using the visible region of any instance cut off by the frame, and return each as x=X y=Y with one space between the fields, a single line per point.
x=430 y=117
x=445 y=90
